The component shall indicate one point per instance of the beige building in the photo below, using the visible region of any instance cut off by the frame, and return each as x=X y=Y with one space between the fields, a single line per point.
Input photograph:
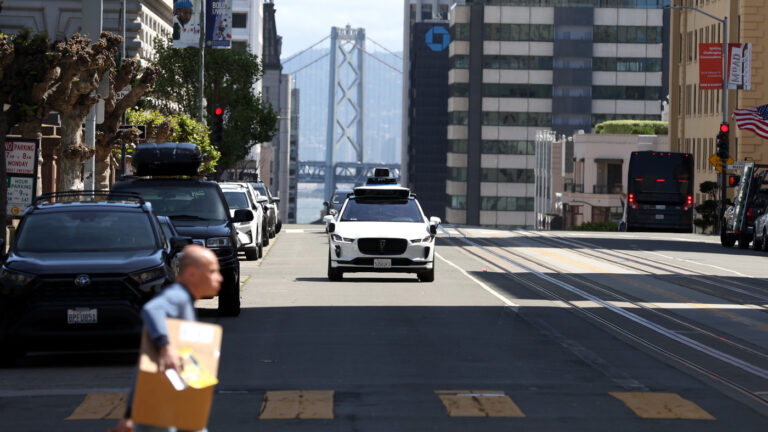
x=695 y=114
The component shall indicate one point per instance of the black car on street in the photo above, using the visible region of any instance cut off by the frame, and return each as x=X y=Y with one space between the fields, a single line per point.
x=78 y=271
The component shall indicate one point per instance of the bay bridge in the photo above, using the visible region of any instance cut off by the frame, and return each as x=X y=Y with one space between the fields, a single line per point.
x=347 y=153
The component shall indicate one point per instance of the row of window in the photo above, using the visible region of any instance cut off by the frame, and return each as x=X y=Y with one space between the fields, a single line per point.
x=495 y=118
x=495 y=175
x=459 y=202
x=626 y=93
x=544 y=32
x=506 y=147
x=610 y=64
x=629 y=4
x=544 y=91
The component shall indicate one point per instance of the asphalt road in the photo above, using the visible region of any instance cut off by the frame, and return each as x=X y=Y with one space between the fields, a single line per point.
x=519 y=330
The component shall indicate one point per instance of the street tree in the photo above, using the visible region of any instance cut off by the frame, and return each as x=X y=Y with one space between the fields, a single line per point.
x=108 y=137
x=230 y=79
x=27 y=64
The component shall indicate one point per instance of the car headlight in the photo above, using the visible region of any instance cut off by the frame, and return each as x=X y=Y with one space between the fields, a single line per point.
x=145 y=276
x=218 y=242
x=339 y=239
x=427 y=239
x=14 y=278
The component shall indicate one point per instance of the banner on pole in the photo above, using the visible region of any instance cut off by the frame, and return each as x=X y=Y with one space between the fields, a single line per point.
x=710 y=66
x=218 y=24
x=186 y=23
x=740 y=66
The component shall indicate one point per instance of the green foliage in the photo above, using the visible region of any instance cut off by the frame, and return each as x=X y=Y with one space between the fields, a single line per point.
x=230 y=77
x=596 y=226
x=184 y=129
x=632 y=127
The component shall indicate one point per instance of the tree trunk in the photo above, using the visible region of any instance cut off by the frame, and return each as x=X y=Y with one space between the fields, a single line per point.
x=73 y=153
x=103 y=167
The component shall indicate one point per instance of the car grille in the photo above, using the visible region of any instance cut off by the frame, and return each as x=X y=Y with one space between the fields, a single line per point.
x=397 y=262
x=382 y=246
x=63 y=288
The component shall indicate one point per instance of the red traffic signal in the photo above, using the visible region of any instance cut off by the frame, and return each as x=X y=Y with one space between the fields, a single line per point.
x=724 y=127
x=733 y=180
x=220 y=111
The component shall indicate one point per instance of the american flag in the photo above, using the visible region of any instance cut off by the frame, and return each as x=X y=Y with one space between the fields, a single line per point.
x=754 y=119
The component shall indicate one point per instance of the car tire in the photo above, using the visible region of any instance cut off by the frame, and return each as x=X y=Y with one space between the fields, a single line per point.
x=261 y=251
x=757 y=244
x=744 y=241
x=229 y=297
x=278 y=226
x=429 y=275
x=334 y=274
x=764 y=244
x=252 y=254
x=726 y=240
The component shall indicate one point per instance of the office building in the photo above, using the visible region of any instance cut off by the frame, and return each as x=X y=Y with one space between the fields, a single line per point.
x=517 y=68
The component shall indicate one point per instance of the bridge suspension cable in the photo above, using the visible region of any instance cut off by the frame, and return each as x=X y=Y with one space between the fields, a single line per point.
x=384 y=48
x=305 y=50
x=310 y=64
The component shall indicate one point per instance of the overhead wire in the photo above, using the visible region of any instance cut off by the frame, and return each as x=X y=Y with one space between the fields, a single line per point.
x=305 y=50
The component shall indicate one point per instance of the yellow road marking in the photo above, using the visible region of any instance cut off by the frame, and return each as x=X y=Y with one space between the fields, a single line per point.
x=297 y=404
x=478 y=403
x=97 y=406
x=575 y=262
x=662 y=406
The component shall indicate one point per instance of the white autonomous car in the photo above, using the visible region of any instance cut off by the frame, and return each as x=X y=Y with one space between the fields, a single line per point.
x=381 y=228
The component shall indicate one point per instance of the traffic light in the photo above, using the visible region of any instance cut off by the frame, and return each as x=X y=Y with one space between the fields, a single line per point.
x=722 y=142
x=733 y=180
x=218 y=125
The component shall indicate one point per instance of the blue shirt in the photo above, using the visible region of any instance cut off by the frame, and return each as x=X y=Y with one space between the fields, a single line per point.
x=175 y=301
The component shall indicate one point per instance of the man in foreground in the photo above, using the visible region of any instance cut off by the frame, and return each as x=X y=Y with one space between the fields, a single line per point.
x=198 y=277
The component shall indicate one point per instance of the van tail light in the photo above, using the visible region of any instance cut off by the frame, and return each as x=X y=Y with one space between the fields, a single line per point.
x=749 y=215
x=632 y=202
x=688 y=203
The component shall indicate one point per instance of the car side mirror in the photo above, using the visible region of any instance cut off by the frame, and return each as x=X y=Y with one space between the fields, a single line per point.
x=325 y=204
x=180 y=242
x=334 y=212
x=330 y=225
x=276 y=199
x=434 y=222
x=242 y=215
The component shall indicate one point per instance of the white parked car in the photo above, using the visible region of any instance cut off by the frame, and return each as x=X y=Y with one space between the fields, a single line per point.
x=249 y=234
x=381 y=228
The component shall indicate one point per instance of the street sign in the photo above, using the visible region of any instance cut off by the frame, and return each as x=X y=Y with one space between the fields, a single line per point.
x=21 y=166
x=718 y=163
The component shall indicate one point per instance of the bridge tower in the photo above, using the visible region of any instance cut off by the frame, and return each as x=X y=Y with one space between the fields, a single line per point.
x=345 y=101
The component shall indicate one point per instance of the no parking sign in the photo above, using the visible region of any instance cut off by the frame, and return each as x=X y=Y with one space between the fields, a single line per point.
x=21 y=165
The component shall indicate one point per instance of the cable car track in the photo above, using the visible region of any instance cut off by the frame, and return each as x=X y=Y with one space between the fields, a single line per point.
x=519 y=260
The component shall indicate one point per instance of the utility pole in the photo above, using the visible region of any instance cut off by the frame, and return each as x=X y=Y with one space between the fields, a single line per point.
x=202 y=63
x=92 y=15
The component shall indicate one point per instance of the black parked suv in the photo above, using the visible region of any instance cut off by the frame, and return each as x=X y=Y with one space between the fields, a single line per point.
x=78 y=271
x=738 y=222
x=196 y=207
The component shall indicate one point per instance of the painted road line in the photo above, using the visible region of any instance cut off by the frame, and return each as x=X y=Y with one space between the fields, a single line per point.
x=99 y=406
x=297 y=404
x=490 y=290
x=662 y=406
x=478 y=403
x=297 y=231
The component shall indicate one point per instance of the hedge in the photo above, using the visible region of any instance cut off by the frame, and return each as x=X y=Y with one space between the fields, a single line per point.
x=633 y=127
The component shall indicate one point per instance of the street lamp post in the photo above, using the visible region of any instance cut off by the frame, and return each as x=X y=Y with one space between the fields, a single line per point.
x=723 y=161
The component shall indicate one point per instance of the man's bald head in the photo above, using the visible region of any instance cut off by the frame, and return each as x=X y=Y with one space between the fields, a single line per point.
x=199 y=271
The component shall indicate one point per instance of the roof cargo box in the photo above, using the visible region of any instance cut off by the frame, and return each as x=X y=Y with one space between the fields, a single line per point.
x=167 y=159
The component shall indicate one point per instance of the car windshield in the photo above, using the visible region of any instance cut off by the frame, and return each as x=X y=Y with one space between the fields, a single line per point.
x=382 y=211
x=258 y=187
x=86 y=231
x=339 y=197
x=182 y=202
x=236 y=199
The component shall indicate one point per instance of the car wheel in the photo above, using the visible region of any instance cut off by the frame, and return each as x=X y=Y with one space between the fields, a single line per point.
x=229 y=296
x=261 y=250
x=744 y=241
x=429 y=275
x=334 y=274
x=726 y=240
x=252 y=254
x=278 y=226
x=756 y=244
x=765 y=243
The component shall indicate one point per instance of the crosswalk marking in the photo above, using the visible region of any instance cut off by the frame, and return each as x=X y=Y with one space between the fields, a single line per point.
x=662 y=406
x=297 y=404
x=98 y=406
x=478 y=403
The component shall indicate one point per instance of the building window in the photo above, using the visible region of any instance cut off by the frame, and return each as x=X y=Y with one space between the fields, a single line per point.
x=494 y=118
x=509 y=147
x=506 y=203
x=517 y=62
x=543 y=91
x=628 y=34
x=460 y=32
x=240 y=45
x=458 y=146
x=459 y=118
x=457 y=174
x=627 y=93
x=458 y=90
x=458 y=202
x=460 y=62
x=518 y=32
x=613 y=64
x=507 y=175
x=239 y=20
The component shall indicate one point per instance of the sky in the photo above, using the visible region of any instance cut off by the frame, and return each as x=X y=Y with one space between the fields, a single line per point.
x=301 y=23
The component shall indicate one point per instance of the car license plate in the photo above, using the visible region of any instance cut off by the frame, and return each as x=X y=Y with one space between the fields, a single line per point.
x=661 y=207
x=382 y=263
x=658 y=216
x=82 y=316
